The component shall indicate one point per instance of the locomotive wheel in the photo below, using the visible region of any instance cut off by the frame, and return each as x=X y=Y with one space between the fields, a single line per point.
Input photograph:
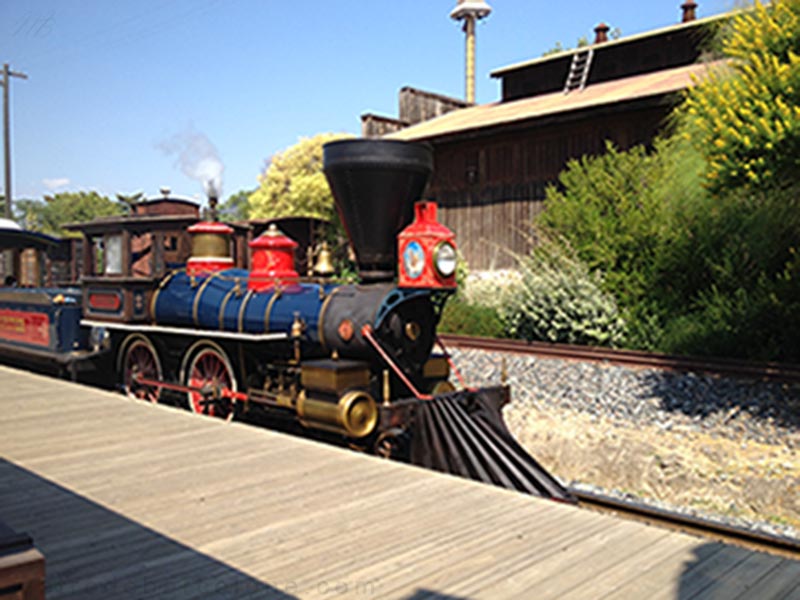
x=390 y=443
x=210 y=369
x=140 y=358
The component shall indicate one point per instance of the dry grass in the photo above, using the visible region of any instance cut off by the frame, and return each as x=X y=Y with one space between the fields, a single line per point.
x=682 y=467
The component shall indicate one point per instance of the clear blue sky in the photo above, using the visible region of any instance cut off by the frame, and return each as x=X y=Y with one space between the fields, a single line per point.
x=116 y=88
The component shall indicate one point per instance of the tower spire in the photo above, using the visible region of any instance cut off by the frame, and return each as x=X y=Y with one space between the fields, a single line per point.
x=470 y=11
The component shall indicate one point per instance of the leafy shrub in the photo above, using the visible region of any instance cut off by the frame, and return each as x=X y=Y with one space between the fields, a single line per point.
x=730 y=283
x=613 y=210
x=489 y=288
x=464 y=318
x=558 y=300
x=697 y=237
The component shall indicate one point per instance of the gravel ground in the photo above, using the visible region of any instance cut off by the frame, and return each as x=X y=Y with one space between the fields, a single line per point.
x=737 y=409
x=724 y=447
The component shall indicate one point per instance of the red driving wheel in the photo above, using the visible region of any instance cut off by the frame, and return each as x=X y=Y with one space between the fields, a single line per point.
x=141 y=359
x=211 y=371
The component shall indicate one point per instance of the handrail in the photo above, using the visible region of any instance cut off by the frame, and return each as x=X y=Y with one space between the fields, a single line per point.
x=366 y=331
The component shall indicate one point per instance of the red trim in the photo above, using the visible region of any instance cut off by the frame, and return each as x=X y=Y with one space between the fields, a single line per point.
x=205 y=266
x=366 y=331
x=225 y=392
x=210 y=227
x=24 y=326
x=109 y=301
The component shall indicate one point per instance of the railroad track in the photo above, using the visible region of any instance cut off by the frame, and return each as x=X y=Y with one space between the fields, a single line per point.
x=729 y=534
x=736 y=535
x=767 y=371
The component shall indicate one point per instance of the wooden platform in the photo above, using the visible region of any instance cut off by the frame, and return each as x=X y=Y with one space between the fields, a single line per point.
x=131 y=500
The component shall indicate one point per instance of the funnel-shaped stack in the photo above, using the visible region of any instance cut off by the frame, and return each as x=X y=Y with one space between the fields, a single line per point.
x=375 y=184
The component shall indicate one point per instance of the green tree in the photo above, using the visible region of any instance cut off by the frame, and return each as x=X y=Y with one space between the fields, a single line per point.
x=26 y=213
x=236 y=207
x=746 y=116
x=293 y=183
x=71 y=207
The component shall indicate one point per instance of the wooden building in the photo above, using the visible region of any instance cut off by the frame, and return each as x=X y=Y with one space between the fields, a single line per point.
x=414 y=106
x=493 y=162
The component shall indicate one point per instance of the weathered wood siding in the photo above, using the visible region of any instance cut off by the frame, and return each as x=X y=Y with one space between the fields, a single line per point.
x=490 y=187
x=666 y=49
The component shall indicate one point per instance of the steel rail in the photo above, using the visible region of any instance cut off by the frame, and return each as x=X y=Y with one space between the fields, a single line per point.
x=730 y=534
x=767 y=371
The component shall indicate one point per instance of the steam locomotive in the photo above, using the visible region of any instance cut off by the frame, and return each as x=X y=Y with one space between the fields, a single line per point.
x=359 y=363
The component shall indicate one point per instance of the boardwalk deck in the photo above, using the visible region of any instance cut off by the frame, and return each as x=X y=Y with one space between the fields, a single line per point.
x=130 y=500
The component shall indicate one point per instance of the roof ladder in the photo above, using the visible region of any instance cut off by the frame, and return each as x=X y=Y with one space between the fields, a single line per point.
x=579 y=71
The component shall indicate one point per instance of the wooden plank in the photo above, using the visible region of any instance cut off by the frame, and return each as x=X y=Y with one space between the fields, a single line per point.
x=666 y=549
x=320 y=547
x=700 y=578
x=153 y=501
x=664 y=580
x=539 y=562
x=479 y=557
x=742 y=577
x=782 y=582
x=582 y=565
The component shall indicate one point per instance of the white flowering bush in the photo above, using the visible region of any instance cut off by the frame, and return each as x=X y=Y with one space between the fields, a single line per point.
x=558 y=300
x=490 y=288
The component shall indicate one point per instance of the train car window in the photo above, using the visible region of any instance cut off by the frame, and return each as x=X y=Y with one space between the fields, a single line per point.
x=112 y=254
x=171 y=243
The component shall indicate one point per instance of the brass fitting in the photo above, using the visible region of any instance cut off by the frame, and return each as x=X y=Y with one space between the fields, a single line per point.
x=355 y=414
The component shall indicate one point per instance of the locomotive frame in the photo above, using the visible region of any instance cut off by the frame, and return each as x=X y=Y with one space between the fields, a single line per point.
x=168 y=304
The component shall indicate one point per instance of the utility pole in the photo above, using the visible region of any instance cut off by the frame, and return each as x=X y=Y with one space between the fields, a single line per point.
x=7 y=75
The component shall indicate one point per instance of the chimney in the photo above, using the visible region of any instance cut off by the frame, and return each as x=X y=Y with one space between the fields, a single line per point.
x=375 y=184
x=689 y=7
x=601 y=33
x=213 y=200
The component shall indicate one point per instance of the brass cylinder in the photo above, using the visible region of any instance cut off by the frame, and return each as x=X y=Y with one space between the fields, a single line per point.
x=212 y=245
x=355 y=414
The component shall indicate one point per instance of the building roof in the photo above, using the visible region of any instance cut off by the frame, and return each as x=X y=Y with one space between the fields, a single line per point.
x=171 y=198
x=607 y=93
x=9 y=224
x=23 y=238
x=500 y=72
x=136 y=224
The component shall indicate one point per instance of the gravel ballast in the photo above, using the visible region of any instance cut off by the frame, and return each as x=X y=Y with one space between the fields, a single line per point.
x=704 y=444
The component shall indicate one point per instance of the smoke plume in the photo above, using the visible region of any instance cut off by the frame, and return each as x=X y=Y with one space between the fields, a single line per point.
x=196 y=156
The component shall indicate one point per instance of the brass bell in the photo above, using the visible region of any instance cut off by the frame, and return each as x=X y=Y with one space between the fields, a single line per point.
x=324 y=263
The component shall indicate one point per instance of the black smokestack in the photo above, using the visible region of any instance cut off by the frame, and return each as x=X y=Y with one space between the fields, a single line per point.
x=213 y=200
x=374 y=185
